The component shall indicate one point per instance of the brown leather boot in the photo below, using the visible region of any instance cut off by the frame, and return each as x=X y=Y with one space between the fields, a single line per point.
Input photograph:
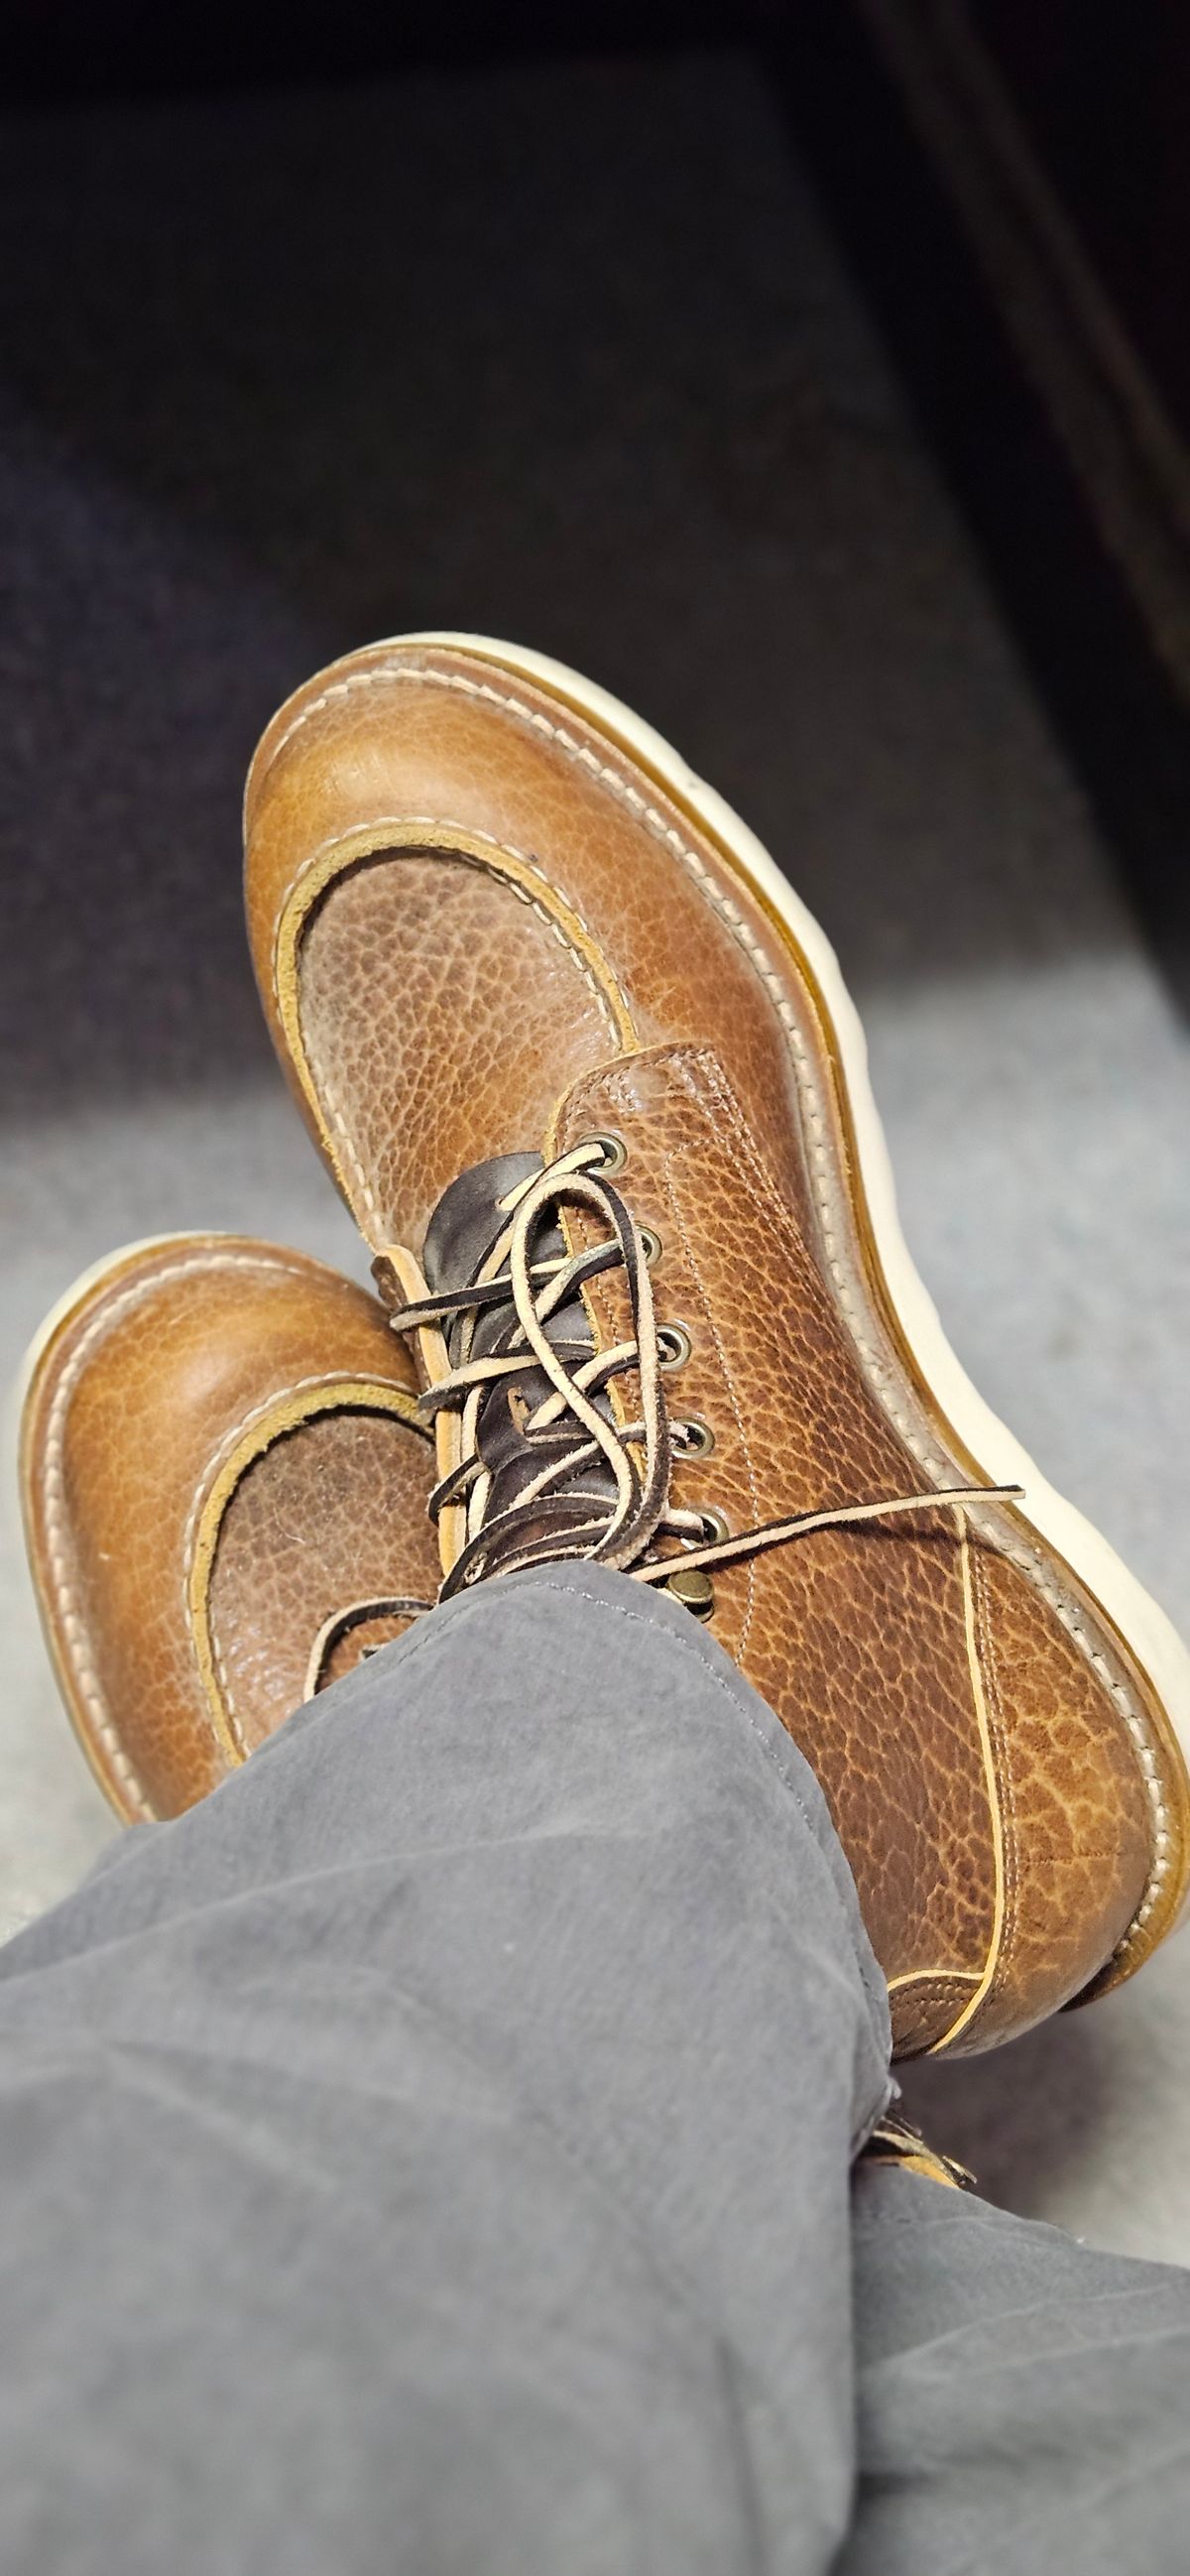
x=494 y=916
x=225 y=1493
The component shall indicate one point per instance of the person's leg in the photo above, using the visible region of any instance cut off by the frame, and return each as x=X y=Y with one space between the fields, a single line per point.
x=1021 y=2399
x=431 y=2153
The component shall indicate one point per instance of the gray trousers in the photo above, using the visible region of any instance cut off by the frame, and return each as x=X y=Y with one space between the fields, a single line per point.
x=431 y=2156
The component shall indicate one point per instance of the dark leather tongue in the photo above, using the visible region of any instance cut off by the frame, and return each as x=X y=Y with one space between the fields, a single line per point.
x=464 y=1227
x=462 y=1231
x=468 y=1218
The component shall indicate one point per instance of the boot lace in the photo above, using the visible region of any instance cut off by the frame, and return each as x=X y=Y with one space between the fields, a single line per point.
x=592 y=1487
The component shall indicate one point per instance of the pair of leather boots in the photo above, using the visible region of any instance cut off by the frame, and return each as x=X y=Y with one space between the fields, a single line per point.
x=587 y=1077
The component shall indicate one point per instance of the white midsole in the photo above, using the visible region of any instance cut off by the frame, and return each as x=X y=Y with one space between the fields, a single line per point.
x=1149 y=1633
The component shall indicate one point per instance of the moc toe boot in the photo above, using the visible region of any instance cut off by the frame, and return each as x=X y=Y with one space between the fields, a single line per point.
x=510 y=947
x=224 y=1487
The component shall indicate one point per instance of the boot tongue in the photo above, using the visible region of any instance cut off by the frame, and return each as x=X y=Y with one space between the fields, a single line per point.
x=465 y=1225
x=468 y=1218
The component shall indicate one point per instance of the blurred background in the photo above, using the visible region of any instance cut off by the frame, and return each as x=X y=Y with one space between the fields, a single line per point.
x=816 y=379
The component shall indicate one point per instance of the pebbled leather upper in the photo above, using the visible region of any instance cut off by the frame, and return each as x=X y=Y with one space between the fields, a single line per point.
x=940 y=1702
x=480 y=927
x=217 y=1455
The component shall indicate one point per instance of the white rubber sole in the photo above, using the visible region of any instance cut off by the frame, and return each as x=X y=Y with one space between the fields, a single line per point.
x=1144 y=1627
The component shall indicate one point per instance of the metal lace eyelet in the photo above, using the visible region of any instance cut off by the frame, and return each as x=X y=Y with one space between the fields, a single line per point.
x=613 y=1151
x=715 y=1524
x=693 y=1589
x=695 y=1438
x=651 y=1245
x=673 y=1346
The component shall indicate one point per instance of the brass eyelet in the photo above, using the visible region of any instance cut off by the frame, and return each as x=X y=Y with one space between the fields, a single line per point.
x=693 y=1589
x=695 y=1437
x=651 y=1245
x=613 y=1151
x=715 y=1524
x=673 y=1346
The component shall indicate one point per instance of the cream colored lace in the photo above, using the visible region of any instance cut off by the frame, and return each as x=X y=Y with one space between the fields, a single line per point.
x=630 y=1523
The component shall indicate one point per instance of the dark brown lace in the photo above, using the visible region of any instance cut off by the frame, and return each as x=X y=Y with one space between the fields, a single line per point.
x=626 y=1521
x=356 y=1614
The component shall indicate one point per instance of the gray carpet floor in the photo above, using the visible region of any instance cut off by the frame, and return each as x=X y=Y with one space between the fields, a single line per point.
x=565 y=353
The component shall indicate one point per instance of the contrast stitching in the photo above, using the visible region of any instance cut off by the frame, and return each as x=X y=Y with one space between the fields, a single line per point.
x=72 y=1624
x=366 y=1190
x=615 y=1087
x=217 y=1459
x=728 y=1388
x=1026 y=1559
x=1002 y=1843
x=934 y=1977
x=989 y=1667
x=501 y=849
